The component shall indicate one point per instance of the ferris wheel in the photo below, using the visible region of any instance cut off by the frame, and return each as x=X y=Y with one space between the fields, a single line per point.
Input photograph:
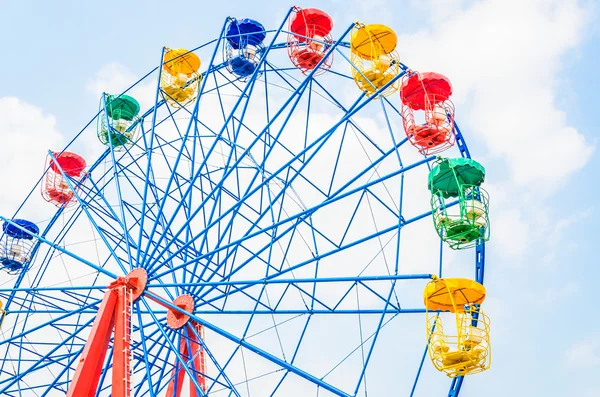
x=276 y=220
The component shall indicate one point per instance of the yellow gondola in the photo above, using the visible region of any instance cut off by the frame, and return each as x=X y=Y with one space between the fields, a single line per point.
x=375 y=61
x=180 y=79
x=467 y=350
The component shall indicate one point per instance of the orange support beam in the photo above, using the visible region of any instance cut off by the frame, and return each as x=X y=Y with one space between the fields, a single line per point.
x=196 y=355
x=180 y=373
x=87 y=375
x=114 y=314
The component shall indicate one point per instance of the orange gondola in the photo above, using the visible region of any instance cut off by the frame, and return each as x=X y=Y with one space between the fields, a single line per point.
x=180 y=79
x=375 y=63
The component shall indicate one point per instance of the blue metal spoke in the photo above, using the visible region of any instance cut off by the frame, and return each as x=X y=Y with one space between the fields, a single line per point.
x=64 y=251
x=84 y=208
x=258 y=351
x=236 y=163
x=220 y=132
x=194 y=112
x=173 y=348
x=38 y=362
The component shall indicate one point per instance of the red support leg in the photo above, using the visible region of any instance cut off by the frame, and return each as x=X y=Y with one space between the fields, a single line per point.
x=197 y=357
x=114 y=313
x=87 y=375
x=180 y=372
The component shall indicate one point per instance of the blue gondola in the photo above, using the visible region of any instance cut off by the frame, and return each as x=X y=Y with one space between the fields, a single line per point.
x=16 y=245
x=244 y=46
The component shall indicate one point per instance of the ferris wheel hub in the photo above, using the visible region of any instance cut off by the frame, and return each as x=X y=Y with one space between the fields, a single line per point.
x=176 y=319
x=135 y=281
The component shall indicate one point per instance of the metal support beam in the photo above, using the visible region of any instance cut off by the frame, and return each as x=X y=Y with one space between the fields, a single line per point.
x=121 y=373
x=191 y=350
x=455 y=386
x=114 y=314
x=87 y=375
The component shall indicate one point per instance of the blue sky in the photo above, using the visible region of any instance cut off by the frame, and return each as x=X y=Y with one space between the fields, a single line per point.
x=527 y=99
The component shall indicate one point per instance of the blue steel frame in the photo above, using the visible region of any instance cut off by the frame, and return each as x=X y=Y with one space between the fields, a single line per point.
x=184 y=231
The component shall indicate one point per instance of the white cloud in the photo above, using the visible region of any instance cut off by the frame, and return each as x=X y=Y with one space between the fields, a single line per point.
x=559 y=294
x=556 y=236
x=27 y=135
x=511 y=232
x=585 y=354
x=504 y=59
x=114 y=78
x=593 y=392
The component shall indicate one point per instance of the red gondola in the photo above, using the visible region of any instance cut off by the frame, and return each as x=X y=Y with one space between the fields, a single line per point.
x=427 y=112
x=309 y=39
x=55 y=188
